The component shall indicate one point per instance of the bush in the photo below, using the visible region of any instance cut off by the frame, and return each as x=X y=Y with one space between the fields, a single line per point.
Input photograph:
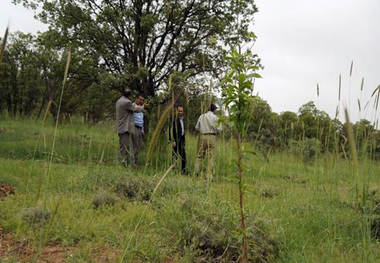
x=102 y=198
x=35 y=216
x=207 y=230
x=138 y=189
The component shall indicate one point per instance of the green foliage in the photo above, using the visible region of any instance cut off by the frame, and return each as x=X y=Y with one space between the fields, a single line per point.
x=150 y=39
x=237 y=87
x=20 y=85
x=32 y=74
x=313 y=123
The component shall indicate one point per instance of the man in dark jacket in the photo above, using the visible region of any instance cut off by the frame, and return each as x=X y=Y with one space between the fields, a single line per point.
x=177 y=137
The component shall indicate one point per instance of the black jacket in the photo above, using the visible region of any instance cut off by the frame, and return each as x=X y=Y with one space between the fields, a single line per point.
x=175 y=131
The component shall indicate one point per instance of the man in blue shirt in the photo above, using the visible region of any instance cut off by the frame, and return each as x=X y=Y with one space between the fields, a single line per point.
x=139 y=131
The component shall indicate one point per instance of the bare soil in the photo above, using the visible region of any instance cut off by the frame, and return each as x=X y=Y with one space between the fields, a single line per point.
x=6 y=190
x=23 y=251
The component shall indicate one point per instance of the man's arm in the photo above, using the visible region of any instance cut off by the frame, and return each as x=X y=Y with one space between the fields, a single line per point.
x=218 y=126
x=197 y=126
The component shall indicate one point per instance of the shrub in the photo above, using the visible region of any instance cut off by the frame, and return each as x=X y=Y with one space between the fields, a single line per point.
x=35 y=216
x=138 y=189
x=102 y=197
x=208 y=228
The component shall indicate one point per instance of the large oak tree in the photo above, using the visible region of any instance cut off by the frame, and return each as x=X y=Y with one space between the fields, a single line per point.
x=143 y=41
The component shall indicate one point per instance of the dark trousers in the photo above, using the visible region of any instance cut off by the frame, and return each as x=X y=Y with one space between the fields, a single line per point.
x=125 y=152
x=179 y=150
x=136 y=142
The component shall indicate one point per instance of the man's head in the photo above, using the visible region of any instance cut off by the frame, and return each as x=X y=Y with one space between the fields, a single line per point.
x=127 y=94
x=139 y=100
x=213 y=107
x=180 y=111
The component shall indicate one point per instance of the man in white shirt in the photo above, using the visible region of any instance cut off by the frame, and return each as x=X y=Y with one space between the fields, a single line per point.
x=208 y=128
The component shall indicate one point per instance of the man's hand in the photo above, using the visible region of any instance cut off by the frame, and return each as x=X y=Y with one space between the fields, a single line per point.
x=174 y=144
x=146 y=105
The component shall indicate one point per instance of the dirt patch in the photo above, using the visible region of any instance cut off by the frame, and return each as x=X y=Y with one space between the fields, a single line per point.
x=22 y=251
x=6 y=190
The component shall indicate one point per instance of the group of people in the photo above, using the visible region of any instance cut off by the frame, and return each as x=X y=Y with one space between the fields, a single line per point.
x=130 y=129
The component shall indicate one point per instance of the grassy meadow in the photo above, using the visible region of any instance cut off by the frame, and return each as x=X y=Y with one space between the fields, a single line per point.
x=73 y=202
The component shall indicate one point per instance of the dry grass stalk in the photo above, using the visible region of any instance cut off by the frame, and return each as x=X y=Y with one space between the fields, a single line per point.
x=351 y=139
x=353 y=154
x=59 y=109
x=340 y=86
x=3 y=44
x=376 y=93
x=362 y=84
x=318 y=90
x=165 y=115
x=352 y=66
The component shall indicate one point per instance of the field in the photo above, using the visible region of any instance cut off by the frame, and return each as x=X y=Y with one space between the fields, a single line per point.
x=65 y=198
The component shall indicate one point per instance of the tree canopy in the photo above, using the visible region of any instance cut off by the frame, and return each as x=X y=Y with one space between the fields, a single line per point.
x=144 y=41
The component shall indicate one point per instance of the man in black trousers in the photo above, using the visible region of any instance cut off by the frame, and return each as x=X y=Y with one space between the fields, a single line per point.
x=177 y=137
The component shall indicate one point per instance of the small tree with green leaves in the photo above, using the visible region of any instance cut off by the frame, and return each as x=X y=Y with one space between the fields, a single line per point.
x=237 y=88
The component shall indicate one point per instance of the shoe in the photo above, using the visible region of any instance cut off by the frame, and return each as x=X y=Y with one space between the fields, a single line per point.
x=185 y=172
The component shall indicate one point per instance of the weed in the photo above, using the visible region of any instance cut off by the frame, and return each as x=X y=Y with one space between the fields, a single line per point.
x=138 y=189
x=36 y=216
x=103 y=198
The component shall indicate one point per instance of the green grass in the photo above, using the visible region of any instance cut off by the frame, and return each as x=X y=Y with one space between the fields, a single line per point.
x=297 y=211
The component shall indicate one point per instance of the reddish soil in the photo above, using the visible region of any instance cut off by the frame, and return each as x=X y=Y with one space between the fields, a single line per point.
x=6 y=190
x=24 y=252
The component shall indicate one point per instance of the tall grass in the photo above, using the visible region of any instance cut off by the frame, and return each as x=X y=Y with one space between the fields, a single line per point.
x=306 y=210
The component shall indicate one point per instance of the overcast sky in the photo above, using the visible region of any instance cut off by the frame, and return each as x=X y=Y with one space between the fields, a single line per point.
x=302 y=43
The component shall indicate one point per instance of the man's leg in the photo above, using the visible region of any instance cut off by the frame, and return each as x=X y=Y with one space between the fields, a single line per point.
x=174 y=153
x=210 y=162
x=200 y=156
x=183 y=157
x=122 y=148
x=130 y=150
x=136 y=142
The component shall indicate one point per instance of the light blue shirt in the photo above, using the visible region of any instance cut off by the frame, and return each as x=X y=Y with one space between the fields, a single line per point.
x=139 y=119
